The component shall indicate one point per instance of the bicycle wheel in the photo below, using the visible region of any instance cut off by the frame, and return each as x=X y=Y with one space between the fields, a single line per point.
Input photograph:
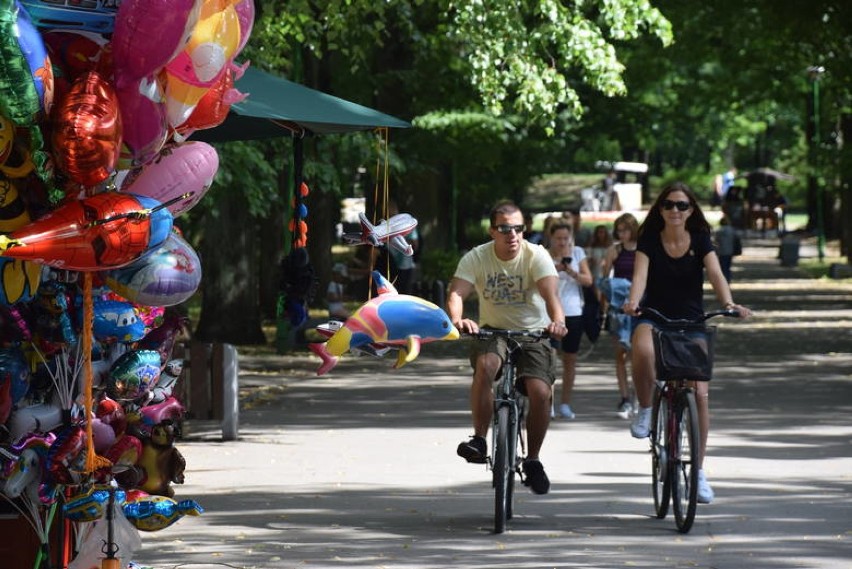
x=503 y=469
x=685 y=461
x=514 y=461
x=661 y=481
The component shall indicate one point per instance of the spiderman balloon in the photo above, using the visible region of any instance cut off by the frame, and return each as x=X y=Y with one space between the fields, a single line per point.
x=107 y=230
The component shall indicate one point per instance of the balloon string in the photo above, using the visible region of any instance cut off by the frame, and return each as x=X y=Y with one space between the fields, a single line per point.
x=93 y=462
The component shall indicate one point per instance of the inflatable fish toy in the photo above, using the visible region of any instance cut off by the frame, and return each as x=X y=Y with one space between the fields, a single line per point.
x=389 y=320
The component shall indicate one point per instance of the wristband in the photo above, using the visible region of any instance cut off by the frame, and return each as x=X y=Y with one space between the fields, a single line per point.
x=729 y=305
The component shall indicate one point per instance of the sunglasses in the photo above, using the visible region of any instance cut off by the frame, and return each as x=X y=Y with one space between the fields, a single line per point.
x=506 y=229
x=681 y=206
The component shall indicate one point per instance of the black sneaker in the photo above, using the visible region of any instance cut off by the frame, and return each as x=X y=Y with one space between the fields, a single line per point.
x=474 y=450
x=535 y=478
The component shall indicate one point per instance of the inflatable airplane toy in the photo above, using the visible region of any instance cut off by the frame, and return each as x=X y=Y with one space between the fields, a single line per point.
x=391 y=232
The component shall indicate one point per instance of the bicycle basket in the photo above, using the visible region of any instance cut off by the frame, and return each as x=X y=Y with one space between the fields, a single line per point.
x=685 y=354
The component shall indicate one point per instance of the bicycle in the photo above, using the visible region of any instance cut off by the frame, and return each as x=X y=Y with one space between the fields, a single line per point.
x=508 y=434
x=684 y=354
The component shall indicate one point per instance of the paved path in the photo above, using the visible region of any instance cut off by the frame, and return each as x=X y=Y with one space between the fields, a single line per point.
x=358 y=468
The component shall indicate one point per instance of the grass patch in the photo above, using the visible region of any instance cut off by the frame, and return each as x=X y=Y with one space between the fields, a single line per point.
x=817 y=269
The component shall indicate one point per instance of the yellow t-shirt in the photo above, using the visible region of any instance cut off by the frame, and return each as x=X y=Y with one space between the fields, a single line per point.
x=508 y=295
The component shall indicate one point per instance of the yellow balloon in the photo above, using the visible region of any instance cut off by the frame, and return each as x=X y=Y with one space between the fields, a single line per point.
x=196 y=69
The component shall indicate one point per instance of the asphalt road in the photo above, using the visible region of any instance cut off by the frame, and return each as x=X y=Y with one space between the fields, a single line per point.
x=358 y=468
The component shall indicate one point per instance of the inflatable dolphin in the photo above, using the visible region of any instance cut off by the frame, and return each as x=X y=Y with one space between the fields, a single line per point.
x=390 y=320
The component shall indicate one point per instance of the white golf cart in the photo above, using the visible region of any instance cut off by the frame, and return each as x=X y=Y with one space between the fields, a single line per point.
x=630 y=177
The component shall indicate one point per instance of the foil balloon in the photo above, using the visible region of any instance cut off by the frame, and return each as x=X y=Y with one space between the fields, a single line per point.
x=213 y=107
x=39 y=418
x=163 y=337
x=152 y=513
x=90 y=16
x=135 y=51
x=26 y=76
x=105 y=231
x=133 y=374
x=178 y=170
x=110 y=412
x=74 y=53
x=196 y=68
x=143 y=119
x=116 y=321
x=161 y=462
x=102 y=435
x=245 y=14
x=19 y=280
x=64 y=453
x=15 y=160
x=170 y=409
x=91 y=505
x=87 y=130
x=15 y=372
x=166 y=277
x=125 y=452
x=13 y=209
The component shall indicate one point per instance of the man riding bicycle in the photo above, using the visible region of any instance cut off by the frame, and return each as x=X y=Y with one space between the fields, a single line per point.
x=516 y=283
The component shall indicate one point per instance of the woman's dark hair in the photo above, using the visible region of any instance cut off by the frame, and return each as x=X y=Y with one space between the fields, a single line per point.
x=597 y=241
x=654 y=221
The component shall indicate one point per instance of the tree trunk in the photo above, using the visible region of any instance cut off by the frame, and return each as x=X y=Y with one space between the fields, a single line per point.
x=272 y=234
x=230 y=306
x=846 y=186
x=321 y=222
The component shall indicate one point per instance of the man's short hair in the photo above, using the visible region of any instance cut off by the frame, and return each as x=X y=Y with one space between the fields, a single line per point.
x=503 y=207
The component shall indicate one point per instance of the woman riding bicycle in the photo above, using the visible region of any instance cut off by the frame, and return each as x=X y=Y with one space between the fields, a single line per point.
x=674 y=249
x=516 y=284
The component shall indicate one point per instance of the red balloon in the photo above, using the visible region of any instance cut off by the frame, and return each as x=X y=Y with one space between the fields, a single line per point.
x=213 y=107
x=105 y=231
x=87 y=130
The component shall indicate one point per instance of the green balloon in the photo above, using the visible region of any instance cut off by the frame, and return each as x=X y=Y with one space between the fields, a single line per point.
x=19 y=100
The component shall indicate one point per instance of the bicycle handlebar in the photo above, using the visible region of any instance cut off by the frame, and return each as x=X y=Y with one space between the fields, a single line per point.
x=485 y=333
x=662 y=318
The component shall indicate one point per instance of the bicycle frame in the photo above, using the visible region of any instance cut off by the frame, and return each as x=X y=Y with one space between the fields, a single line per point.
x=674 y=438
x=507 y=439
x=508 y=436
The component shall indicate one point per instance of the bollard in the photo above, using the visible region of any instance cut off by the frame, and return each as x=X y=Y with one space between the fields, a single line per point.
x=789 y=251
x=214 y=385
x=230 y=367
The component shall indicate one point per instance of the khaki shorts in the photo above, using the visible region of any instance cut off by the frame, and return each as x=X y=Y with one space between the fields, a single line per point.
x=536 y=358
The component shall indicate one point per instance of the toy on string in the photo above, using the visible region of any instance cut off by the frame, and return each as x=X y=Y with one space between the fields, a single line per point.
x=153 y=513
x=401 y=321
x=389 y=232
x=298 y=285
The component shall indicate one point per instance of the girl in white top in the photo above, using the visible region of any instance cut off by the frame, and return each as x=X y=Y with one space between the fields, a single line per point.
x=574 y=273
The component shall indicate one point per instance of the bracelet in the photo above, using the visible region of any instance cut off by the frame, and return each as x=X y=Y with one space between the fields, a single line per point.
x=729 y=305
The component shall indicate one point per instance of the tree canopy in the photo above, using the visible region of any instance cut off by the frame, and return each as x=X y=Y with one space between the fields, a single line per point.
x=501 y=92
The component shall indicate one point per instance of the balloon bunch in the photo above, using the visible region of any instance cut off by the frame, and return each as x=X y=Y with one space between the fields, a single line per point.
x=97 y=103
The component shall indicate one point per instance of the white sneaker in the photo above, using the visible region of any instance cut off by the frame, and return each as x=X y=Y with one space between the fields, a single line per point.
x=625 y=409
x=704 y=493
x=641 y=426
x=565 y=411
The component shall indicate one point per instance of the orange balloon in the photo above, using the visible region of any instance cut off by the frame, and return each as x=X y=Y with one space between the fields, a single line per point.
x=213 y=106
x=87 y=130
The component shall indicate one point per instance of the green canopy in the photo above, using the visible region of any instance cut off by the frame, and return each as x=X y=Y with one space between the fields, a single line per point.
x=278 y=107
